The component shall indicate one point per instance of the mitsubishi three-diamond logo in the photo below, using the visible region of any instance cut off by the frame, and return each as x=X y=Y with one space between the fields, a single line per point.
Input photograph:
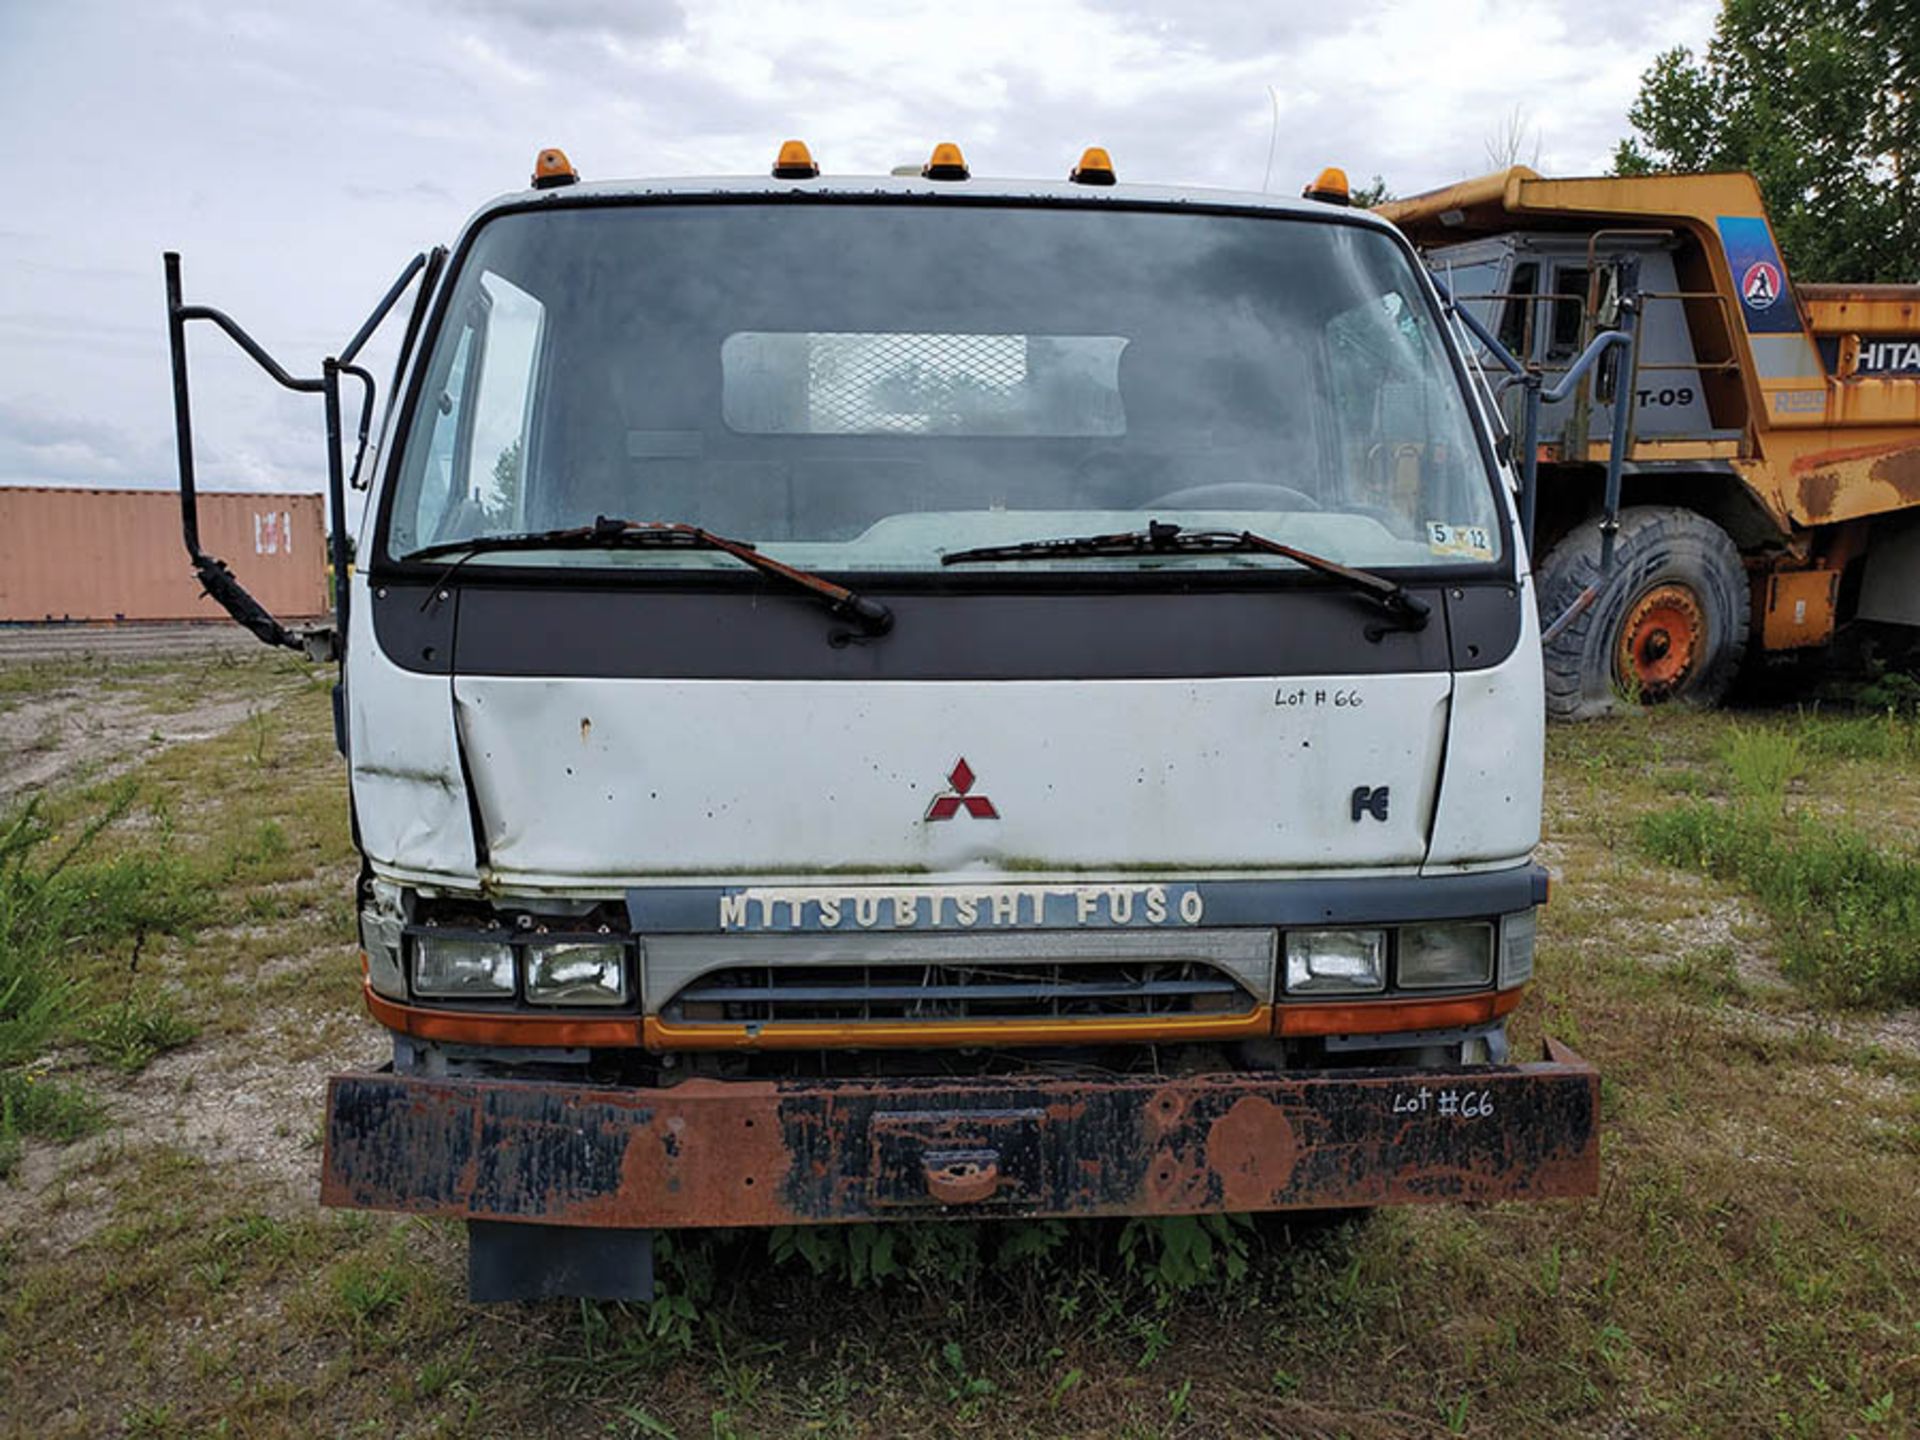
x=959 y=795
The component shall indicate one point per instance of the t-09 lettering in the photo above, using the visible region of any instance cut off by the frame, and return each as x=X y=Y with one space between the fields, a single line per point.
x=1673 y=395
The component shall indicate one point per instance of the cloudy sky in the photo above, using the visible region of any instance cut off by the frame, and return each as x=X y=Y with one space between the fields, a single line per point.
x=298 y=154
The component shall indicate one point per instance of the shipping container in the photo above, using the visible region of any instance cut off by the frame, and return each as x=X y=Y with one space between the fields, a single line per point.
x=116 y=554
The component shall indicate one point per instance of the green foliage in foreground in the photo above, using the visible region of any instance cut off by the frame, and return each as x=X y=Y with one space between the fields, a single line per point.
x=1123 y=1278
x=1847 y=911
x=1142 y=1266
x=60 y=898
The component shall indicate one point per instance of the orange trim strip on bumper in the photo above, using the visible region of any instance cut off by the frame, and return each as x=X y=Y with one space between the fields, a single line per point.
x=1358 y=1017
x=514 y=1027
x=1382 y=1017
x=896 y=1034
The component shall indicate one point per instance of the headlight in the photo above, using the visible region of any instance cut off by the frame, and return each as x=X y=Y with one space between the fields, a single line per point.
x=1516 y=947
x=446 y=966
x=577 y=972
x=1329 y=960
x=1439 y=956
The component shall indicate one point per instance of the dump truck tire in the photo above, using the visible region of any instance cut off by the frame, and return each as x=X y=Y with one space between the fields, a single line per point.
x=1669 y=623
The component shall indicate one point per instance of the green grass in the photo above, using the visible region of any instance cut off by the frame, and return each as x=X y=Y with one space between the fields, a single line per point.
x=1762 y=761
x=1886 y=736
x=1847 y=910
x=60 y=899
x=1845 y=906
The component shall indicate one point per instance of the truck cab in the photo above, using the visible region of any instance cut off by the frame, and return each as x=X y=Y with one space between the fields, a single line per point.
x=1545 y=295
x=905 y=696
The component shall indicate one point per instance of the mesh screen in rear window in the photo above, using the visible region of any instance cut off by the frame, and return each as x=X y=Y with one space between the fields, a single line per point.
x=872 y=383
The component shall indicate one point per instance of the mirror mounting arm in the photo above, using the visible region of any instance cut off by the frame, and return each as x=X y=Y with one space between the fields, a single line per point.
x=216 y=579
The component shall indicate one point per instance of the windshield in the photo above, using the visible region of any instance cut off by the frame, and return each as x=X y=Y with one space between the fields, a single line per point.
x=866 y=387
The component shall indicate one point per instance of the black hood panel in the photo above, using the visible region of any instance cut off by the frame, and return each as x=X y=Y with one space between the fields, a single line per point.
x=744 y=630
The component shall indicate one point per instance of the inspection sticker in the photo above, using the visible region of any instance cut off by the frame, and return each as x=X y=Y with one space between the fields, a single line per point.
x=1473 y=541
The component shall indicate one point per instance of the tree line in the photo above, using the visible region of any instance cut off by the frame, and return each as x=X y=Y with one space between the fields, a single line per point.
x=1818 y=99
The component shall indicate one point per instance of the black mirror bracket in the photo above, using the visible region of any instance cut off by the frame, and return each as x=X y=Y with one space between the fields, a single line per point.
x=323 y=643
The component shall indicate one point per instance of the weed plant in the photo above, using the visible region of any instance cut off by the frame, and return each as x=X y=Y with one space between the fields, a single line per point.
x=60 y=898
x=128 y=1035
x=1122 y=1280
x=1762 y=761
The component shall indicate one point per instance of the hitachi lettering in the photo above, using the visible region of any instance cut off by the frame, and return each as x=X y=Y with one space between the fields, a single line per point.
x=1881 y=357
x=1876 y=355
x=960 y=907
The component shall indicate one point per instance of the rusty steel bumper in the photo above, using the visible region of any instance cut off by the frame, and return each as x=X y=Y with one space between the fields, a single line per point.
x=713 y=1152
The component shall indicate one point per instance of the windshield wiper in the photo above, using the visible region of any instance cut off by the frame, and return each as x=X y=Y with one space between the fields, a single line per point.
x=870 y=616
x=1406 y=610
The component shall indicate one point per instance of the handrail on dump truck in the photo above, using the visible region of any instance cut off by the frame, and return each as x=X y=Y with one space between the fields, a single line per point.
x=1538 y=392
x=216 y=579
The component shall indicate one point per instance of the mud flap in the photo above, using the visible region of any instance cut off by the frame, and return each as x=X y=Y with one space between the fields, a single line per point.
x=546 y=1262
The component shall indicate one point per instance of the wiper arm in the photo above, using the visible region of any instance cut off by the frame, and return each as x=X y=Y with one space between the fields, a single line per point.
x=1408 y=611
x=870 y=616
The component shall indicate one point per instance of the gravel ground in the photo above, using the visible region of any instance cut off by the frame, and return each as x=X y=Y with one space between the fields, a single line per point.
x=121 y=641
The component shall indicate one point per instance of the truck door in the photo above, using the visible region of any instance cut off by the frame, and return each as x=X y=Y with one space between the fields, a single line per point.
x=1561 y=327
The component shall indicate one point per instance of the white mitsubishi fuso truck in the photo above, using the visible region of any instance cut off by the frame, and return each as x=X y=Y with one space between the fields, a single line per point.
x=908 y=697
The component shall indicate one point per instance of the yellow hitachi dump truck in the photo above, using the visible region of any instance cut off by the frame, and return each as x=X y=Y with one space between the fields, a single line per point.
x=1769 y=486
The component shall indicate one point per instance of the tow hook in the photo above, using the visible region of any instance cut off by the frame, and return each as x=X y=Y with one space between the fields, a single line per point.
x=962 y=1177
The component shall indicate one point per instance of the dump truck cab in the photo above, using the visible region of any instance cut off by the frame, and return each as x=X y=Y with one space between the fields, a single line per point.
x=1771 y=461
x=1546 y=294
x=918 y=696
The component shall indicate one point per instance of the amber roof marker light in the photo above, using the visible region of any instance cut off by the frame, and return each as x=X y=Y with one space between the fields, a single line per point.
x=1095 y=168
x=551 y=169
x=946 y=163
x=795 y=162
x=1329 y=187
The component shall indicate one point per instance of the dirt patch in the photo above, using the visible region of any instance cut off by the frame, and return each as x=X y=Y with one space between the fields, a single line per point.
x=247 y=1104
x=1723 y=922
x=58 y=1195
x=1894 y=1034
x=46 y=739
x=1898 y=1031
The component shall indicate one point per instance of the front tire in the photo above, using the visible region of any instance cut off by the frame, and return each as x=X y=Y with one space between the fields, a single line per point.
x=1668 y=623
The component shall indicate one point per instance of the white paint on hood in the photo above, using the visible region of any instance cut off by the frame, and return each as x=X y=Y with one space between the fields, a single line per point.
x=596 y=783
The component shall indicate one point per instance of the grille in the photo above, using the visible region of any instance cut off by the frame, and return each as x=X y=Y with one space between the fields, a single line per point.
x=1034 y=991
x=861 y=383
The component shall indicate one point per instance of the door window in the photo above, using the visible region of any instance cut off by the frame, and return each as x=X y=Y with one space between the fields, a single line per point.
x=476 y=411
